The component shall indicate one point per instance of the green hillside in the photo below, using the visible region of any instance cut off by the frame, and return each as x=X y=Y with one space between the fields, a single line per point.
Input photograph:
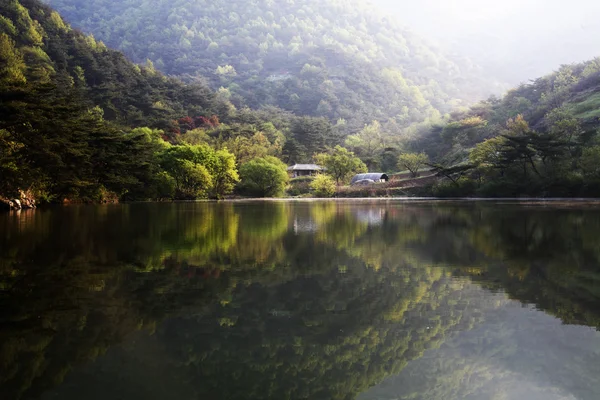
x=541 y=138
x=48 y=52
x=79 y=122
x=69 y=108
x=337 y=59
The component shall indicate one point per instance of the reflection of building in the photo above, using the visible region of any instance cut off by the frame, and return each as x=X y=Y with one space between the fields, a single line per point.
x=304 y=225
x=304 y=170
x=370 y=216
x=373 y=177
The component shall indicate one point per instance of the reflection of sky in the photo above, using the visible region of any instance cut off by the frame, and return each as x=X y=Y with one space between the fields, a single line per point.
x=519 y=354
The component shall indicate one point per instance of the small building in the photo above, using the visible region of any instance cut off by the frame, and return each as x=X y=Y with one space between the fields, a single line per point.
x=304 y=170
x=373 y=177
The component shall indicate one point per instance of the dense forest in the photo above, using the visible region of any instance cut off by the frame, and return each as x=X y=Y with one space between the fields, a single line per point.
x=79 y=122
x=292 y=301
x=341 y=60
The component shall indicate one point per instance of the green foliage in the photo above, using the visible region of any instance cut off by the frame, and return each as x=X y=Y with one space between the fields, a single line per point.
x=323 y=186
x=590 y=162
x=311 y=58
x=369 y=144
x=73 y=112
x=224 y=174
x=586 y=107
x=263 y=177
x=166 y=186
x=124 y=91
x=199 y=171
x=192 y=180
x=341 y=164
x=532 y=142
x=461 y=187
x=12 y=65
x=412 y=162
x=300 y=186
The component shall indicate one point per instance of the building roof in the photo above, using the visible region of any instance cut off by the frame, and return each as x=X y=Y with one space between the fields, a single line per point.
x=305 y=167
x=373 y=176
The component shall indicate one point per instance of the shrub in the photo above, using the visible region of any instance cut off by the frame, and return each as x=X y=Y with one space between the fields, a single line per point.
x=300 y=186
x=165 y=186
x=323 y=186
x=263 y=177
x=462 y=188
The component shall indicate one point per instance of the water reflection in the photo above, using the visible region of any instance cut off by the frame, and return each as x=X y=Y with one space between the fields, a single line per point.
x=318 y=300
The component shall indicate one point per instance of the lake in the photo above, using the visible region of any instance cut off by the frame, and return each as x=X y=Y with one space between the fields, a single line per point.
x=280 y=300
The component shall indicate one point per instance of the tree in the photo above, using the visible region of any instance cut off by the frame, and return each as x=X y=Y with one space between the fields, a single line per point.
x=200 y=171
x=590 y=162
x=314 y=134
x=369 y=143
x=192 y=179
x=248 y=148
x=485 y=156
x=224 y=174
x=412 y=162
x=523 y=146
x=564 y=130
x=341 y=164
x=263 y=177
x=323 y=186
x=12 y=65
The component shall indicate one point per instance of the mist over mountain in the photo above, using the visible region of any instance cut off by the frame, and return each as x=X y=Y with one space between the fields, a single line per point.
x=513 y=40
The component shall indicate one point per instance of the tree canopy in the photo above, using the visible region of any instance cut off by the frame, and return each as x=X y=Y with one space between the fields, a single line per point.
x=334 y=59
x=530 y=142
x=263 y=177
x=340 y=164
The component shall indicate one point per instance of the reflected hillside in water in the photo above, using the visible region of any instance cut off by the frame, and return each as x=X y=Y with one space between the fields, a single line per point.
x=317 y=300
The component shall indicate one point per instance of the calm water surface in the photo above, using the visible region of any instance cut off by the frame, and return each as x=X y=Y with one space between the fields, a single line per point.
x=301 y=300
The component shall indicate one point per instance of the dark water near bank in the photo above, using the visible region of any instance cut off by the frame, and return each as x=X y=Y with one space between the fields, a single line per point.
x=308 y=300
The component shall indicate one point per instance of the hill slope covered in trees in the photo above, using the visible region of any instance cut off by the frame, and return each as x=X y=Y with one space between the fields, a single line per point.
x=542 y=138
x=78 y=121
x=335 y=59
x=69 y=108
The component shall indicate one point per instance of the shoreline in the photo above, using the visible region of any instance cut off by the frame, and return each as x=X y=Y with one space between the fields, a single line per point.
x=406 y=200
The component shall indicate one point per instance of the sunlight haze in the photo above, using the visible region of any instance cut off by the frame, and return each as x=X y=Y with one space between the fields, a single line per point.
x=520 y=40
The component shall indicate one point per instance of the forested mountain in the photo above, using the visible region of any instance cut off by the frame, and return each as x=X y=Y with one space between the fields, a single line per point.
x=542 y=138
x=80 y=122
x=69 y=105
x=337 y=59
x=39 y=49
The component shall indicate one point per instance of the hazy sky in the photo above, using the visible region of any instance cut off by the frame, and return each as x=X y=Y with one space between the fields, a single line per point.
x=456 y=12
x=521 y=38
